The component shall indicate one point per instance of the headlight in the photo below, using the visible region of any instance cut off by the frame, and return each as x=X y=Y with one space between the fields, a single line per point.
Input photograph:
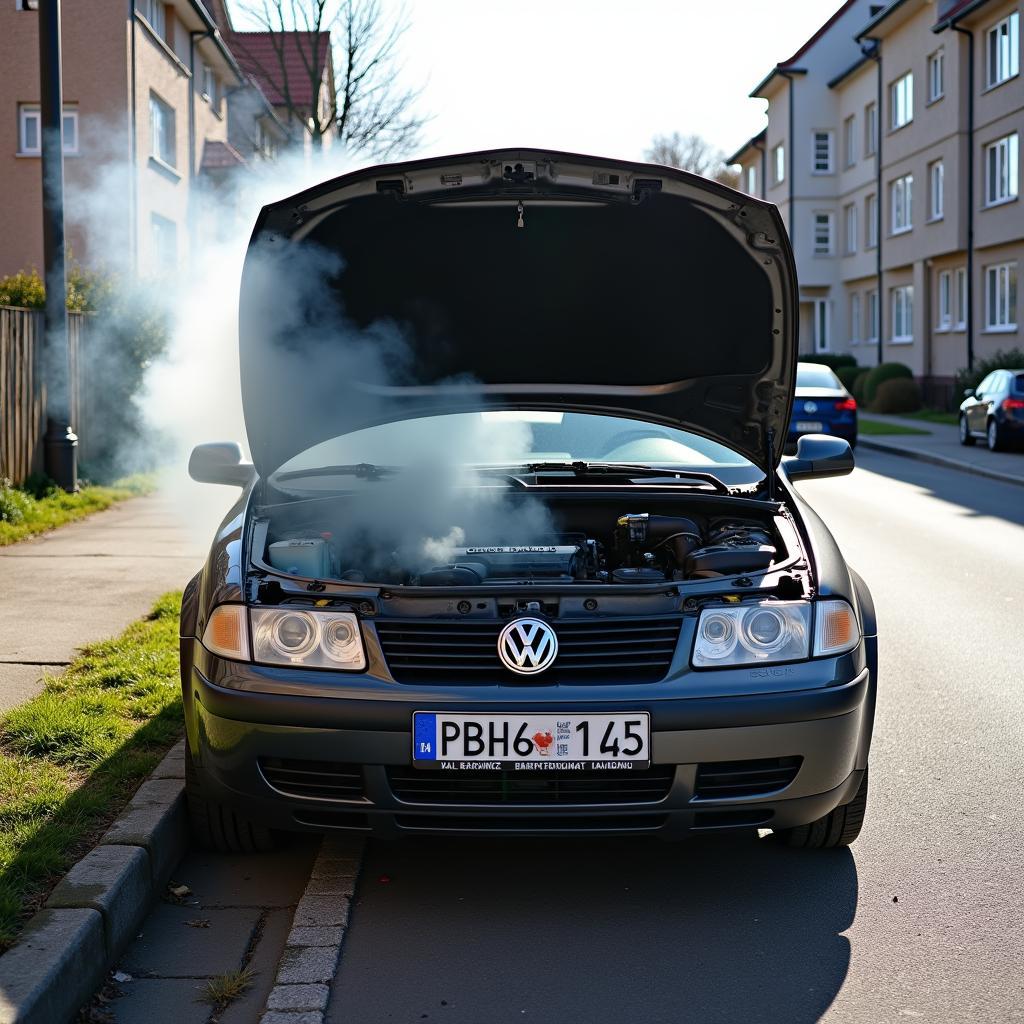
x=312 y=639
x=744 y=634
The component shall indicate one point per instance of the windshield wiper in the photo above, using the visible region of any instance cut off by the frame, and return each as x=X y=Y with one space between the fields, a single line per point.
x=622 y=469
x=363 y=470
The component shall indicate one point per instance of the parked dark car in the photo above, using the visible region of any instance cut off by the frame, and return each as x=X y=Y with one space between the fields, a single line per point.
x=994 y=411
x=822 y=406
x=518 y=553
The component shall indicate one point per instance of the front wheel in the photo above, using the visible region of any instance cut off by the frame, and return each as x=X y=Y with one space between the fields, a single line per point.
x=966 y=437
x=837 y=828
x=994 y=437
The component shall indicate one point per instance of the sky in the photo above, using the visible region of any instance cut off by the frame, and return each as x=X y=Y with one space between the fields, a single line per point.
x=596 y=76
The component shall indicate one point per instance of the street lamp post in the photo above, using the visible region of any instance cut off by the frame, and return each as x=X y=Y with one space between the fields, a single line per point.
x=60 y=443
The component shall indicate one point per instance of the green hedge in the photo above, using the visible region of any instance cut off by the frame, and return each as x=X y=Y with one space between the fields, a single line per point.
x=833 y=362
x=898 y=394
x=858 y=385
x=848 y=375
x=881 y=373
x=1010 y=359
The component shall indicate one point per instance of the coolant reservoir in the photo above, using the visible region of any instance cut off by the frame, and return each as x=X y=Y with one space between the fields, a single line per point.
x=302 y=557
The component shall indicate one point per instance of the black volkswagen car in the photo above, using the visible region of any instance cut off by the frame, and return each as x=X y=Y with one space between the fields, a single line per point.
x=994 y=411
x=517 y=552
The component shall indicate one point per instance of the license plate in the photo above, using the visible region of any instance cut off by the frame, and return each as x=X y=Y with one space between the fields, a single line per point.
x=808 y=427
x=541 y=742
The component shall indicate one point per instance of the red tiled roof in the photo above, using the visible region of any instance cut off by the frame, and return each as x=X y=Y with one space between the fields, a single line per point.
x=257 y=54
x=218 y=155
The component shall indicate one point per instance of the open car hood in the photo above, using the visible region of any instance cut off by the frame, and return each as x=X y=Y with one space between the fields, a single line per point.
x=518 y=279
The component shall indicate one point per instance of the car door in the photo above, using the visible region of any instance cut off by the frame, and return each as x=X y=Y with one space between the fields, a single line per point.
x=977 y=411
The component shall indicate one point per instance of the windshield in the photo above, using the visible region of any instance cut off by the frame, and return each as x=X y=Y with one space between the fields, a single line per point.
x=810 y=375
x=518 y=437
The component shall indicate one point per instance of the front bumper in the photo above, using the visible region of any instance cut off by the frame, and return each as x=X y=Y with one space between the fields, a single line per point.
x=232 y=732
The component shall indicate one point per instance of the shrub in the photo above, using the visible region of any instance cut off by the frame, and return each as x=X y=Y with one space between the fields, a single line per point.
x=848 y=375
x=85 y=289
x=898 y=394
x=1011 y=359
x=858 y=385
x=15 y=504
x=833 y=362
x=39 y=485
x=883 y=372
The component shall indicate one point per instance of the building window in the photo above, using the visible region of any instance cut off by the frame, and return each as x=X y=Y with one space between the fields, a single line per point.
x=30 y=130
x=779 y=163
x=209 y=85
x=822 y=153
x=155 y=12
x=854 y=318
x=1003 y=50
x=873 y=314
x=945 y=300
x=901 y=101
x=961 y=297
x=903 y=313
x=850 y=141
x=1001 y=170
x=161 y=128
x=752 y=181
x=850 y=224
x=936 y=76
x=870 y=129
x=902 y=192
x=871 y=221
x=1001 y=297
x=164 y=235
x=821 y=325
x=936 y=190
x=823 y=234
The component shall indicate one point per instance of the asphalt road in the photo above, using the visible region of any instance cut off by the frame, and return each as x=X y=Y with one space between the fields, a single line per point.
x=923 y=918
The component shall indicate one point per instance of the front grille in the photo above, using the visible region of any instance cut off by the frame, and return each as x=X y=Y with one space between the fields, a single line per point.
x=321 y=780
x=434 y=786
x=719 y=780
x=621 y=650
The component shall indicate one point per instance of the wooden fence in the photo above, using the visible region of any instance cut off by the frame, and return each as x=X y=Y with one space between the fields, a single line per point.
x=23 y=389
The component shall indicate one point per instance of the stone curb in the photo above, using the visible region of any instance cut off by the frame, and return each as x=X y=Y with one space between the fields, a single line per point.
x=940 y=460
x=65 y=951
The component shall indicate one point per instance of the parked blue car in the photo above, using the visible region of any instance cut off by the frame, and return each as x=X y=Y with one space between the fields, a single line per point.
x=994 y=411
x=822 y=406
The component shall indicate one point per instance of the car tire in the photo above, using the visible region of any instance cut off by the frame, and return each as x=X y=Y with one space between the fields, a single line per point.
x=966 y=437
x=218 y=827
x=994 y=437
x=838 y=828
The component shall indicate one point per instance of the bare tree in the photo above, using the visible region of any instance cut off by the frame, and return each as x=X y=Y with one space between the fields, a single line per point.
x=692 y=153
x=365 y=108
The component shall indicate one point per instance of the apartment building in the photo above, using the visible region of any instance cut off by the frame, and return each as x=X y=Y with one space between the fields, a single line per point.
x=892 y=148
x=156 y=107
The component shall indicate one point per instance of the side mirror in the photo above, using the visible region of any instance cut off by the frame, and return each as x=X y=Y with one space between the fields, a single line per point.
x=220 y=462
x=820 y=455
x=968 y=392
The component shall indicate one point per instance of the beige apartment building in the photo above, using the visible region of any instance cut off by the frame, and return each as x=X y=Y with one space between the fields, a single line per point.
x=146 y=127
x=892 y=148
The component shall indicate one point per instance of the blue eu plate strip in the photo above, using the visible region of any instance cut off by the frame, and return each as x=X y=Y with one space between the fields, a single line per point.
x=425 y=738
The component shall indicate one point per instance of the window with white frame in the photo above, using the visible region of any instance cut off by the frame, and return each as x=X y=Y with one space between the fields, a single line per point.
x=209 y=84
x=821 y=151
x=854 y=318
x=1001 y=297
x=903 y=313
x=936 y=190
x=1003 y=50
x=823 y=233
x=873 y=325
x=30 y=130
x=164 y=237
x=870 y=129
x=871 y=221
x=161 y=128
x=961 y=297
x=902 y=213
x=155 y=12
x=822 y=325
x=945 y=319
x=850 y=228
x=1001 y=170
x=850 y=140
x=901 y=101
x=752 y=180
x=779 y=163
x=936 y=75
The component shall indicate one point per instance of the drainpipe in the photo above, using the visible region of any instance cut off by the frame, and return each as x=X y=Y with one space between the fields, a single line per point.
x=792 y=161
x=970 y=192
x=192 y=38
x=875 y=53
x=763 y=150
x=133 y=157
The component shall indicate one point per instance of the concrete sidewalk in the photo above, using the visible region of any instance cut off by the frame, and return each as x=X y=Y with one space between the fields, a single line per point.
x=941 y=445
x=87 y=581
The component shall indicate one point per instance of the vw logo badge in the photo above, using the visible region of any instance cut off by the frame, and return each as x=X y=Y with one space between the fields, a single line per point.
x=527 y=646
x=810 y=406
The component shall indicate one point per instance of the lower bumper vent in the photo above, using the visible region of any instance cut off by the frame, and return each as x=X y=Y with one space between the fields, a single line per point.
x=720 y=780
x=320 y=780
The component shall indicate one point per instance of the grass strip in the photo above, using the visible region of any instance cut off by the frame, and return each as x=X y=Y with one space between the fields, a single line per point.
x=72 y=757
x=872 y=427
x=22 y=515
x=933 y=416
